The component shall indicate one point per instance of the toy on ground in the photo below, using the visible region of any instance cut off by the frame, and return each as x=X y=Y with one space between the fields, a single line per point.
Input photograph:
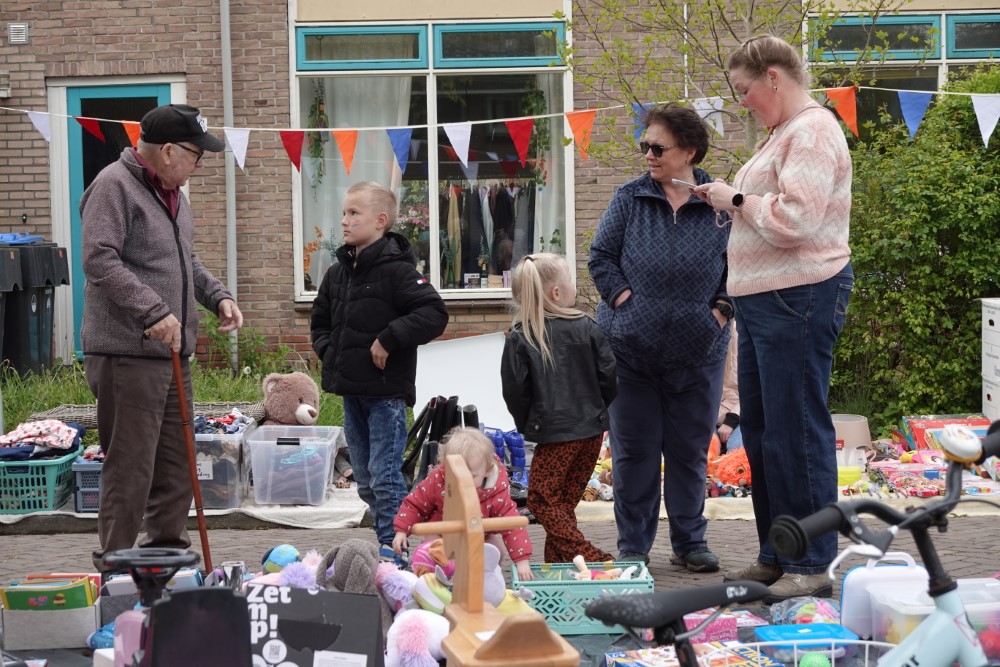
x=733 y=469
x=428 y=555
x=584 y=573
x=480 y=635
x=291 y=399
x=279 y=557
x=414 y=639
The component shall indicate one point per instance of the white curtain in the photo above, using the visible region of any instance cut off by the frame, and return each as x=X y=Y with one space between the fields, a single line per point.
x=550 y=199
x=351 y=102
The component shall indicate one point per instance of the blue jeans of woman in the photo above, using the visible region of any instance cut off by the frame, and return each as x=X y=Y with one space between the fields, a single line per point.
x=376 y=436
x=786 y=340
x=663 y=416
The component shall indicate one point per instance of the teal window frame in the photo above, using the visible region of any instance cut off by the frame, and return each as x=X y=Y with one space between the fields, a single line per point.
x=303 y=65
x=954 y=52
x=518 y=61
x=887 y=22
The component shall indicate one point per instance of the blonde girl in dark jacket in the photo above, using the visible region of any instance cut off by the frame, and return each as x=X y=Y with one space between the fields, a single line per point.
x=559 y=378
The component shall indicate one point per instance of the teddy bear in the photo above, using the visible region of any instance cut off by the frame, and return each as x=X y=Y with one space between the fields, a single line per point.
x=291 y=398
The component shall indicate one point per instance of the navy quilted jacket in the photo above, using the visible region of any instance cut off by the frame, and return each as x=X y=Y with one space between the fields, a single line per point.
x=675 y=264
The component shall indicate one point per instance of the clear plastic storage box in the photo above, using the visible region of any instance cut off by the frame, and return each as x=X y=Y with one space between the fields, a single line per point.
x=291 y=464
x=223 y=468
x=897 y=611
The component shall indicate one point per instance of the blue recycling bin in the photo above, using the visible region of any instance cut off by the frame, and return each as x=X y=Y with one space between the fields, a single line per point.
x=30 y=310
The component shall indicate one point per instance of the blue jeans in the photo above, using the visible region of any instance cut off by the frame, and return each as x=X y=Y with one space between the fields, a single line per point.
x=669 y=416
x=786 y=340
x=376 y=435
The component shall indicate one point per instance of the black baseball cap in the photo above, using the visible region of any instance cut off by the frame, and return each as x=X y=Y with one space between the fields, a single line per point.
x=174 y=123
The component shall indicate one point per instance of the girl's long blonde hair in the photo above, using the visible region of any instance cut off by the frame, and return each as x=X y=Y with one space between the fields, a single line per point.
x=533 y=279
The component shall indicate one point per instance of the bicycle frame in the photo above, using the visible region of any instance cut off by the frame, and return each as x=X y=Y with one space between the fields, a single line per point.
x=941 y=639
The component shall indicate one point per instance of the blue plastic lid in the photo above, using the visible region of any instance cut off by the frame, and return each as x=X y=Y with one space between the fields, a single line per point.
x=20 y=238
x=802 y=632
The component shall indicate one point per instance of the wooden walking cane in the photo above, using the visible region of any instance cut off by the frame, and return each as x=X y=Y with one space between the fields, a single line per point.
x=192 y=460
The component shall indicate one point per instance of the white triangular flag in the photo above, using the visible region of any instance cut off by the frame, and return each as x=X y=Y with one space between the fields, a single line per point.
x=42 y=122
x=458 y=135
x=471 y=171
x=238 y=140
x=493 y=156
x=987 y=113
x=710 y=110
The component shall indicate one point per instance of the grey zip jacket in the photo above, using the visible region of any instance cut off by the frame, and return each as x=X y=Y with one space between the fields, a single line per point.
x=140 y=265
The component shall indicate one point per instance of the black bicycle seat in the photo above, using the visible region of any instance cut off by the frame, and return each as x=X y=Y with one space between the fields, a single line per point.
x=656 y=610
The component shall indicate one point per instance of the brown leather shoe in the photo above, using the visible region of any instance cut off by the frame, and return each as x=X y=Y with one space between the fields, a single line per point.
x=793 y=585
x=766 y=573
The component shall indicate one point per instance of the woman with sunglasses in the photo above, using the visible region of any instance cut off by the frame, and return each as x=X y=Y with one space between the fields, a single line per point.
x=658 y=260
x=791 y=280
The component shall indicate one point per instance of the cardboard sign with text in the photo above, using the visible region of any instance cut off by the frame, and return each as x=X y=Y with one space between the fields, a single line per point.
x=293 y=627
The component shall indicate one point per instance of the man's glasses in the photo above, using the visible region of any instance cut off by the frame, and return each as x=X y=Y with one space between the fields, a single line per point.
x=657 y=149
x=199 y=154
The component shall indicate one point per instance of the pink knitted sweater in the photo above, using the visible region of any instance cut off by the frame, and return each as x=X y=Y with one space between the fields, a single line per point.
x=793 y=226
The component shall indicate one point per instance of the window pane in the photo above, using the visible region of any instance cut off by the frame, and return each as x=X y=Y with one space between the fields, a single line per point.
x=980 y=36
x=871 y=102
x=497 y=44
x=360 y=47
x=898 y=36
x=351 y=102
x=496 y=210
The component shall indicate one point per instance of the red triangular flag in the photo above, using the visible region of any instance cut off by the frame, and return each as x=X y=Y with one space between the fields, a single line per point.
x=846 y=105
x=520 y=132
x=581 y=123
x=91 y=125
x=292 y=139
x=347 y=142
x=132 y=130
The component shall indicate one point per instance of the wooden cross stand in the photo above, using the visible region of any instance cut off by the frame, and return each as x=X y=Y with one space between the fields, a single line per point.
x=480 y=635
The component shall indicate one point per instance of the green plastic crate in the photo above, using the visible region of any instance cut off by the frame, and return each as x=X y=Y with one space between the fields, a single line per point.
x=36 y=486
x=563 y=602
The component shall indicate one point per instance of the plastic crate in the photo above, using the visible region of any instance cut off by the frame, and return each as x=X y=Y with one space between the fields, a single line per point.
x=36 y=486
x=87 y=485
x=223 y=468
x=291 y=464
x=563 y=601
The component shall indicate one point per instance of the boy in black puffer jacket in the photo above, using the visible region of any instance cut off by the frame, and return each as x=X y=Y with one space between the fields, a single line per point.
x=372 y=311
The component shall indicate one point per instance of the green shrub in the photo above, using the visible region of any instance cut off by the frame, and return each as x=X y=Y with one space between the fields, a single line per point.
x=924 y=235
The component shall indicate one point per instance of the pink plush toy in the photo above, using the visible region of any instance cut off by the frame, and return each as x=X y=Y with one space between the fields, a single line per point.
x=395 y=585
x=414 y=639
x=428 y=555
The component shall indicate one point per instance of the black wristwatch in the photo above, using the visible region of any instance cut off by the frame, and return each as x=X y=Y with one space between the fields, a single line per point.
x=738 y=199
x=725 y=309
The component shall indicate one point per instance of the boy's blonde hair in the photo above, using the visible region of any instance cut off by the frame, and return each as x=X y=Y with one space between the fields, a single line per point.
x=379 y=198
x=531 y=286
x=469 y=443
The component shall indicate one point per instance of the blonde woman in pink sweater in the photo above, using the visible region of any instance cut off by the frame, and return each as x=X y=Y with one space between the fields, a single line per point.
x=791 y=280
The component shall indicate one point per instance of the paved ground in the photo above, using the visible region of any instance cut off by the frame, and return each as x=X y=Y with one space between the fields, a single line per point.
x=971 y=548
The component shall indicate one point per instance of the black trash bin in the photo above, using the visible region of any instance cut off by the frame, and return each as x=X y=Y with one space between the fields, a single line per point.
x=10 y=279
x=27 y=340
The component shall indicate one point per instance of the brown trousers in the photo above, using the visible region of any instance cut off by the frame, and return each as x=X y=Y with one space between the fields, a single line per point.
x=145 y=471
x=559 y=474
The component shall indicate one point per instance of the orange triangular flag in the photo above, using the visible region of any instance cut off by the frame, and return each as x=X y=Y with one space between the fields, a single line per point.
x=347 y=141
x=581 y=123
x=91 y=125
x=520 y=132
x=292 y=140
x=132 y=130
x=847 y=105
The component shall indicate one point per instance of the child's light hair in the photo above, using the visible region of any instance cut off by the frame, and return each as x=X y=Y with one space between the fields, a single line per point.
x=531 y=288
x=379 y=198
x=469 y=443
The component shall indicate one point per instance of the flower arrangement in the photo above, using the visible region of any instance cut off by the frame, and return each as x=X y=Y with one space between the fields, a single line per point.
x=413 y=220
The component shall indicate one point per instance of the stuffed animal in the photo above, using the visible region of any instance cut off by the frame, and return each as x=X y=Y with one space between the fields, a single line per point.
x=733 y=469
x=414 y=639
x=396 y=586
x=302 y=573
x=584 y=573
x=291 y=398
x=428 y=555
x=279 y=557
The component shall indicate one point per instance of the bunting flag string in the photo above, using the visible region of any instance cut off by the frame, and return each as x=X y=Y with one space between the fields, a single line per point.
x=914 y=104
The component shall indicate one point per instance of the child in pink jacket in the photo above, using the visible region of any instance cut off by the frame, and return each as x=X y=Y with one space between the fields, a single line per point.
x=426 y=501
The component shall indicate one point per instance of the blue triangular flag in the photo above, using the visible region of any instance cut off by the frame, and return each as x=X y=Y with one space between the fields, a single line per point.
x=400 y=140
x=638 y=111
x=914 y=106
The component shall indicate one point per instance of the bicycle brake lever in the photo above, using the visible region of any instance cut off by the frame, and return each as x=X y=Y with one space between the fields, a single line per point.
x=863 y=550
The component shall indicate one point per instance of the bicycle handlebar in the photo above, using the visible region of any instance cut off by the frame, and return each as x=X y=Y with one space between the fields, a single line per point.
x=991 y=443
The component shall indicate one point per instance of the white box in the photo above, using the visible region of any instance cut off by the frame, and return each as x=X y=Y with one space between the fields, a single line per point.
x=991 y=399
x=36 y=630
x=991 y=361
x=104 y=657
x=991 y=321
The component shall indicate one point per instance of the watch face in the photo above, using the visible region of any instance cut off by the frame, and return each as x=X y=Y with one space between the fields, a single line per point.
x=738 y=199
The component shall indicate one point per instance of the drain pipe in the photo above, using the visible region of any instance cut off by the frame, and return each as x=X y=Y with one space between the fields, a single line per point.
x=227 y=115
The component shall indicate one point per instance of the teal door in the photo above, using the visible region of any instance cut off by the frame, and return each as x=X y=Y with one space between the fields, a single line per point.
x=88 y=155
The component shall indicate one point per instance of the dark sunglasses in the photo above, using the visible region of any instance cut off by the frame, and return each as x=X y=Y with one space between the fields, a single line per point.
x=199 y=155
x=657 y=149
